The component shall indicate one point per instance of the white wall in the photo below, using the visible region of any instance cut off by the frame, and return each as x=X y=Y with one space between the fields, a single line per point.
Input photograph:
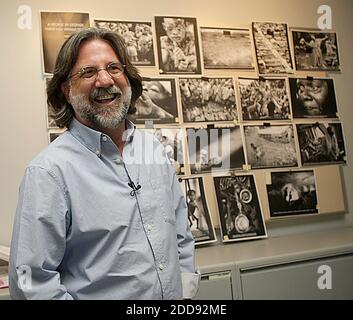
x=23 y=130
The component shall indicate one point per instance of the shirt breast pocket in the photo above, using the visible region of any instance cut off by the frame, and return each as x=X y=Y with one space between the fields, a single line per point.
x=163 y=199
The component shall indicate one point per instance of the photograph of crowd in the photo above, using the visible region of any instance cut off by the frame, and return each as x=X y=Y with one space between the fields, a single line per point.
x=178 y=45
x=158 y=102
x=226 y=48
x=264 y=99
x=215 y=149
x=272 y=48
x=270 y=146
x=321 y=143
x=172 y=140
x=292 y=193
x=199 y=218
x=208 y=99
x=138 y=37
x=239 y=208
x=315 y=50
x=313 y=98
x=56 y=28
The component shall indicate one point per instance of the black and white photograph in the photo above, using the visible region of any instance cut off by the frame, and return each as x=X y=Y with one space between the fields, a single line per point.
x=321 y=143
x=315 y=50
x=292 y=193
x=240 y=213
x=138 y=37
x=56 y=28
x=270 y=146
x=208 y=99
x=226 y=48
x=51 y=124
x=172 y=140
x=313 y=98
x=264 y=99
x=272 y=48
x=53 y=134
x=199 y=218
x=158 y=102
x=178 y=45
x=215 y=149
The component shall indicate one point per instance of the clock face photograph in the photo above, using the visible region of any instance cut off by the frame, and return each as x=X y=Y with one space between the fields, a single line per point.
x=239 y=208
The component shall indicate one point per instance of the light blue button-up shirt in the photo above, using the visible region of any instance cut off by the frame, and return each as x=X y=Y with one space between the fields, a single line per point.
x=81 y=232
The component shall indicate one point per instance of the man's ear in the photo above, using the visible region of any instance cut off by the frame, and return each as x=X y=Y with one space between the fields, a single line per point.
x=65 y=90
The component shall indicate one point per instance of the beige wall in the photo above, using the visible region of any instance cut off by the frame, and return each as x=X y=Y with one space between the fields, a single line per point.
x=23 y=130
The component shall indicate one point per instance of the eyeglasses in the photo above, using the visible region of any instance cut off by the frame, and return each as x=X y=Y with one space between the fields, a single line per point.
x=115 y=69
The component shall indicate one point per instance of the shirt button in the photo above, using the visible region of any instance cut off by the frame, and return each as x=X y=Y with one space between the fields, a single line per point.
x=104 y=138
x=149 y=227
x=117 y=161
x=98 y=153
x=161 y=267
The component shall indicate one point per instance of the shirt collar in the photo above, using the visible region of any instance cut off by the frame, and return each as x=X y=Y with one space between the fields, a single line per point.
x=92 y=139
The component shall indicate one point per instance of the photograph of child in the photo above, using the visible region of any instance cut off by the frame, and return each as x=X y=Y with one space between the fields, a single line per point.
x=178 y=45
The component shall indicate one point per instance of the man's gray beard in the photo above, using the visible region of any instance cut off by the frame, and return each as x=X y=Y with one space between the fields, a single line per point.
x=102 y=117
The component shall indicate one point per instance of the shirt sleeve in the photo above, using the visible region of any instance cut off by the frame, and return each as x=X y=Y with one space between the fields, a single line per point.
x=39 y=237
x=186 y=245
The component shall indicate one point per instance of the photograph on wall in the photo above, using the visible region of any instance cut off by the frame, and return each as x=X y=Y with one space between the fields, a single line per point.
x=158 y=102
x=178 y=45
x=239 y=208
x=315 y=50
x=208 y=99
x=56 y=28
x=264 y=99
x=272 y=48
x=215 y=149
x=313 y=98
x=138 y=37
x=270 y=146
x=225 y=48
x=53 y=134
x=321 y=143
x=51 y=124
x=172 y=140
x=292 y=193
x=199 y=218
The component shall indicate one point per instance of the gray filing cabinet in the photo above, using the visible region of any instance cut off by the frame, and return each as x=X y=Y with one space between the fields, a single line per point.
x=215 y=286
x=285 y=267
x=300 y=280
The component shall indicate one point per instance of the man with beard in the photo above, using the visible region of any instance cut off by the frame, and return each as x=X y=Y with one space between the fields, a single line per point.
x=91 y=220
